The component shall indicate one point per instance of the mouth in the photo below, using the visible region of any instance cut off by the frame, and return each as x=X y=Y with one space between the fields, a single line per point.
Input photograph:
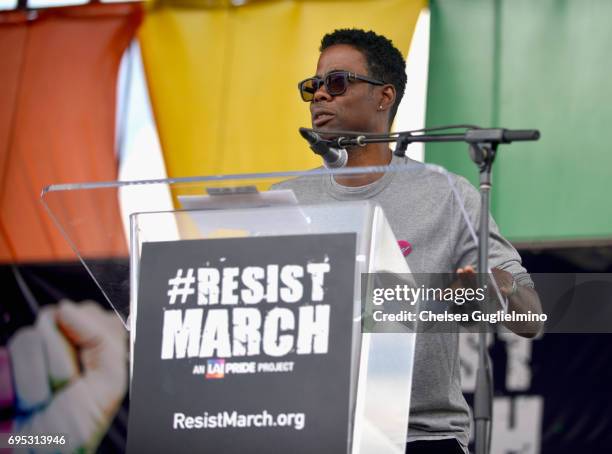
x=321 y=118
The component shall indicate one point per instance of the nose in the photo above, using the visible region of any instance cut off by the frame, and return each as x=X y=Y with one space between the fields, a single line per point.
x=321 y=94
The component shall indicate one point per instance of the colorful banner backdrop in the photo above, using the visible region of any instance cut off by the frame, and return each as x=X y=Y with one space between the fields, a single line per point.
x=223 y=81
x=58 y=74
x=524 y=64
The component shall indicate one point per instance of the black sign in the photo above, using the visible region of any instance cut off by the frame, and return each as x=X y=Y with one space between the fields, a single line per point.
x=244 y=345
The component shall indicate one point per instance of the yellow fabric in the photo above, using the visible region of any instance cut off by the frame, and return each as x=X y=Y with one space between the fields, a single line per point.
x=223 y=80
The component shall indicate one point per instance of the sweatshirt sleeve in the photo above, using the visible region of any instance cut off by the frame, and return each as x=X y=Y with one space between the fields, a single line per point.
x=501 y=253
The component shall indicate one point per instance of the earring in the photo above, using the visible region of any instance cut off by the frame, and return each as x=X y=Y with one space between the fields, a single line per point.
x=380 y=107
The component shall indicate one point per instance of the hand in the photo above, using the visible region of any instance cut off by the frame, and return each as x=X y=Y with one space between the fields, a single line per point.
x=520 y=299
x=70 y=373
x=504 y=280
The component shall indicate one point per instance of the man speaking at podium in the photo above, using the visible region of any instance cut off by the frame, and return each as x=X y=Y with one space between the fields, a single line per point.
x=359 y=82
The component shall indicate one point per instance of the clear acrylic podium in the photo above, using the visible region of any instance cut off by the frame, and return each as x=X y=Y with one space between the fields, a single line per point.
x=242 y=206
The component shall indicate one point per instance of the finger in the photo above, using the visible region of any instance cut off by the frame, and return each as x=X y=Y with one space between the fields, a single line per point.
x=81 y=323
x=103 y=351
x=468 y=269
x=467 y=279
x=29 y=366
x=61 y=354
x=111 y=320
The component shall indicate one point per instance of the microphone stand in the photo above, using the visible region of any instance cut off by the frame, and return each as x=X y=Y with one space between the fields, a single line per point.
x=483 y=145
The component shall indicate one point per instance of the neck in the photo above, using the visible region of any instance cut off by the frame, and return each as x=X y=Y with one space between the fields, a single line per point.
x=373 y=154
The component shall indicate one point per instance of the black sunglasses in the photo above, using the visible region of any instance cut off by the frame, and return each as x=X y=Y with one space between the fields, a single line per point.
x=336 y=83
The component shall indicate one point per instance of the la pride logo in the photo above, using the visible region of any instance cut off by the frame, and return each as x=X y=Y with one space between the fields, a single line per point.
x=215 y=368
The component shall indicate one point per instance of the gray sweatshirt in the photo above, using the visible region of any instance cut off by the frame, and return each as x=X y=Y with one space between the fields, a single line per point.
x=423 y=210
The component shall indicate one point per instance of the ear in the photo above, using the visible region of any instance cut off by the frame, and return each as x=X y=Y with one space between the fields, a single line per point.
x=387 y=98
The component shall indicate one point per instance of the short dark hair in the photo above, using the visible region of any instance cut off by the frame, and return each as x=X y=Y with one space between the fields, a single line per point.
x=384 y=60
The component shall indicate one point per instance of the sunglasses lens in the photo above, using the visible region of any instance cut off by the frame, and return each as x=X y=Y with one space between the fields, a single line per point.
x=336 y=83
x=308 y=89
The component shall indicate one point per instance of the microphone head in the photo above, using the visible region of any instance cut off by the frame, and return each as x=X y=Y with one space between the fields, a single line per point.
x=333 y=157
x=311 y=136
x=339 y=162
x=317 y=144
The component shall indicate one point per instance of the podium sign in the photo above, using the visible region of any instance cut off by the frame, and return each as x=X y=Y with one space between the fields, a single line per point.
x=243 y=345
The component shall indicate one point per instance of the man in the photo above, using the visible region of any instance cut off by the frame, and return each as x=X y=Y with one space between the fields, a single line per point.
x=359 y=82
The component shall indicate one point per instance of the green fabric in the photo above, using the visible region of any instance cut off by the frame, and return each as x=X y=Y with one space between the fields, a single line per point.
x=543 y=64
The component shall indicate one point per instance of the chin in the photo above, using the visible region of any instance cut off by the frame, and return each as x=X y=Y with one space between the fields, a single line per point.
x=327 y=127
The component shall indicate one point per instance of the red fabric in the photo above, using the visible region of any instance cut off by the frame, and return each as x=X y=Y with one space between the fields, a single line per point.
x=58 y=76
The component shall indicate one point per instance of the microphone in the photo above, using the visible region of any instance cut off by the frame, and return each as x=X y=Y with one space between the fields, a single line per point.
x=333 y=157
x=500 y=135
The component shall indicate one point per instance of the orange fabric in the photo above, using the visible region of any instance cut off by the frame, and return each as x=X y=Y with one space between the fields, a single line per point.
x=58 y=74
